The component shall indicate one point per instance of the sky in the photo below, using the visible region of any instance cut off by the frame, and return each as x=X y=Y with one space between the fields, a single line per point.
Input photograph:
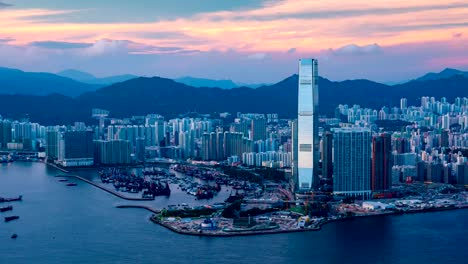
x=249 y=41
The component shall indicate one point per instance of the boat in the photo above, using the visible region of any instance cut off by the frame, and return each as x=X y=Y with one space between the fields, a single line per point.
x=4 y=209
x=14 y=236
x=71 y=184
x=63 y=180
x=4 y=200
x=11 y=218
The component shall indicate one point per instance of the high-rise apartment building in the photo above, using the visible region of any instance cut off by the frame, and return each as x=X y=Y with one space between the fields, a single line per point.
x=307 y=125
x=403 y=103
x=76 y=149
x=258 y=128
x=52 y=143
x=5 y=133
x=112 y=152
x=381 y=162
x=327 y=155
x=352 y=165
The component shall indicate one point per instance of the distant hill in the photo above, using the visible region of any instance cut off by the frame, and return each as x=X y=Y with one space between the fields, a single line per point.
x=200 y=82
x=91 y=79
x=223 y=84
x=164 y=96
x=446 y=73
x=14 y=81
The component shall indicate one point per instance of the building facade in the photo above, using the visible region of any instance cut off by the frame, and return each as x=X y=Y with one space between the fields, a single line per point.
x=352 y=166
x=307 y=125
x=381 y=162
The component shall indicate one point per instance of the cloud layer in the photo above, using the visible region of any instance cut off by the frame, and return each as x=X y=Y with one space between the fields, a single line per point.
x=267 y=38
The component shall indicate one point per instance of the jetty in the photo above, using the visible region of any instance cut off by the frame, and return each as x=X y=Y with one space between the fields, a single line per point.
x=149 y=208
x=115 y=193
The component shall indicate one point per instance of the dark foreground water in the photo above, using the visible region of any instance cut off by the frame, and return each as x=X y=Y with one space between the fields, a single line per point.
x=80 y=224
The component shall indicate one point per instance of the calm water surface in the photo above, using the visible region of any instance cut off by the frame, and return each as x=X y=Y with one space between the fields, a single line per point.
x=80 y=224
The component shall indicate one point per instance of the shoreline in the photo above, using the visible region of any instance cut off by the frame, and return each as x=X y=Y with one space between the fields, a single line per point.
x=232 y=234
x=317 y=228
x=56 y=167
x=248 y=233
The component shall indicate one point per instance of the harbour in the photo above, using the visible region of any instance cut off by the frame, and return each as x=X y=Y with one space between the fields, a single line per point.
x=133 y=237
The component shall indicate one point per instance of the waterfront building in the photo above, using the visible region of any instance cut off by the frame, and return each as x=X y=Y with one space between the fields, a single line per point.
x=308 y=141
x=421 y=171
x=435 y=172
x=140 y=149
x=352 y=164
x=76 y=149
x=52 y=143
x=381 y=162
x=5 y=133
x=462 y=173
x=112 y=152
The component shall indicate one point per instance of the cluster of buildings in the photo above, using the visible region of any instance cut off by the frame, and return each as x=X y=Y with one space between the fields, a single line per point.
x=251 y=139
x=362 y=159
x=349 y=154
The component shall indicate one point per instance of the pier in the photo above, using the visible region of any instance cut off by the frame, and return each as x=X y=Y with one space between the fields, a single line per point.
x=149 y=208
x=106 y=189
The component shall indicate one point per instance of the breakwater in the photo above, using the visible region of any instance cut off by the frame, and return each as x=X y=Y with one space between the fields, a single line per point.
x=105 y=189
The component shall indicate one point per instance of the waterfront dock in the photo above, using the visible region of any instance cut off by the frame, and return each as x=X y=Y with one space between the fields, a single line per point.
x=115 y=193
x=149 y=208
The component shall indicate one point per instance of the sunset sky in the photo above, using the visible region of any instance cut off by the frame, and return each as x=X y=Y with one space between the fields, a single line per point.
x=243 y=40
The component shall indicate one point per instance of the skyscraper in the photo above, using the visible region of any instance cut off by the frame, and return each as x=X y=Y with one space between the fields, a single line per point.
x=352 y=166
x=5 y=133
x=327 y=154
x=258 y=128
x=52 y=143
x=76 y=149
x=403 y=103
x=294 y=153
x=381 y=162
x=308 y=142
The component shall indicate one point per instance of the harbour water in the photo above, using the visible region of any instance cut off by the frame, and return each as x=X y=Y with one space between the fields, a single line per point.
x=61 y=224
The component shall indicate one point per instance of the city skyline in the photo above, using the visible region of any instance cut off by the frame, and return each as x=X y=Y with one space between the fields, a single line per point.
x=146 y=38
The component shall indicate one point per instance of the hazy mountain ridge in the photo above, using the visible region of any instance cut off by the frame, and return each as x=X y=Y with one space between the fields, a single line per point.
x=446 y=73
x=223 y=84
x=164 y=96
x=13 y=81
x=85 y=77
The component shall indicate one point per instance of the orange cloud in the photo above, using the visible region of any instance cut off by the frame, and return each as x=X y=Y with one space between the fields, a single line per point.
x=309 y=25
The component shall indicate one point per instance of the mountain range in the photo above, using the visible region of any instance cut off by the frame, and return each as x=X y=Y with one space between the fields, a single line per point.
x=447 y=73
x=223 y=84
x=144 y=95
x=14 y=81
x=88 y=78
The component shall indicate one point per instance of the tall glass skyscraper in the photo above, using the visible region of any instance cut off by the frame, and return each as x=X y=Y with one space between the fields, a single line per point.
x=352 y=166
x=307 y=125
